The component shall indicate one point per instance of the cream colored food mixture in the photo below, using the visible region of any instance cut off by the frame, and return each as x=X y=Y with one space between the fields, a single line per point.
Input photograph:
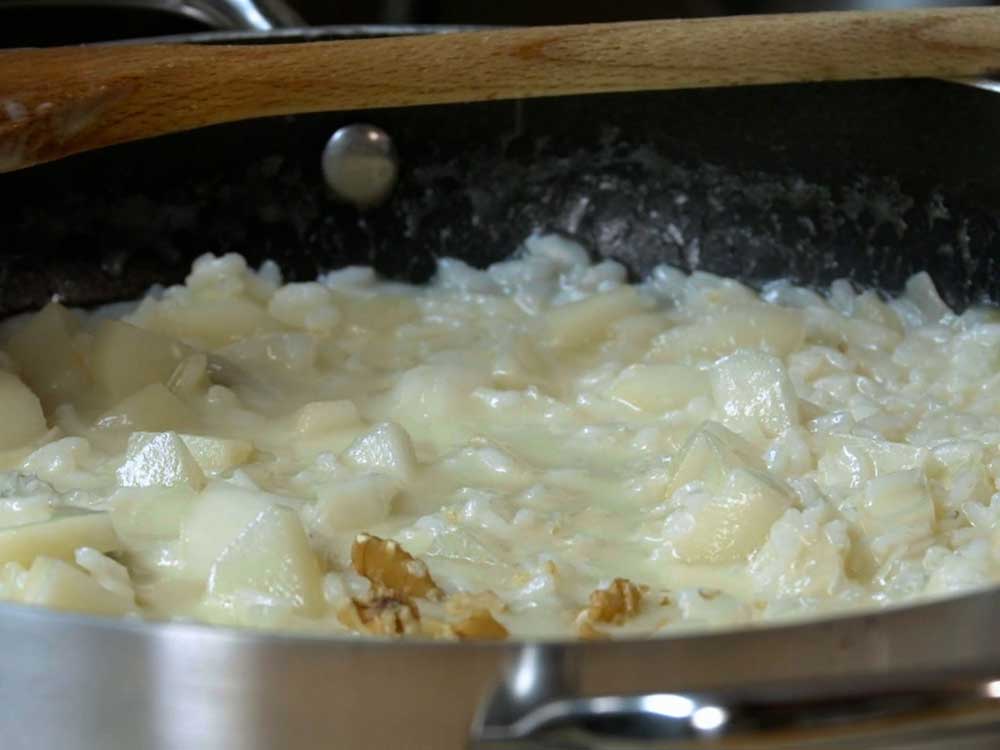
x=538 y=449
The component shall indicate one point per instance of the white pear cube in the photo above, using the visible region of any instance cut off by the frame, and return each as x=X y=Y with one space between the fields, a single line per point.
x=152 y=409
x=59 y=537
x=159 y=459
x=320 y=417
x=896 y=500
x=59 y=585
x=709 y=455
x=270 y=563
x=109 y=574
x=191 y=377
x=213 y=322
x=353 y=504
x=726 y=526
x=431 y=396
x=848 y=461
x=769 y=328
x=216 y=455
x=579 y=323
x=223 y=512
x=754 y=393
x=46 y=356
x=659 y=388
x=125 y=358
x=386 y=449
x=23 y=420
x=150 y=512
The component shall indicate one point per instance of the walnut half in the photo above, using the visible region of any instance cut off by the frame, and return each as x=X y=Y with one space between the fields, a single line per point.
x=381 y=615
x=615 y=604
x=391 y=568
x=480 y=626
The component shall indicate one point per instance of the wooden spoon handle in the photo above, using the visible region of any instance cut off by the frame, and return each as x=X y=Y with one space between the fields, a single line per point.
x=56 y=102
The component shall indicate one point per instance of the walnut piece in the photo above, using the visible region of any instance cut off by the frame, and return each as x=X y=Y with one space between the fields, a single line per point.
x=392 y=569
x=463 y=603
x=381 y=615
x=586 y=630
x=480 y=626
x=617 y=603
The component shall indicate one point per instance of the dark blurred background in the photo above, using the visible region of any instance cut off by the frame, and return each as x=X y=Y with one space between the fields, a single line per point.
x=49 y=22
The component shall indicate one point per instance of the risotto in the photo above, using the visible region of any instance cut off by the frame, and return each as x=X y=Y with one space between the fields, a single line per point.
x=538 y=449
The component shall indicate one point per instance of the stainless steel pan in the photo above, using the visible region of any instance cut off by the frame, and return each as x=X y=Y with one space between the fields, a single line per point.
x=926 y=677
x=871 y=181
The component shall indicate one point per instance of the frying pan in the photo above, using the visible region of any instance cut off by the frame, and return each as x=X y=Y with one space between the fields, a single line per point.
x=868 y=181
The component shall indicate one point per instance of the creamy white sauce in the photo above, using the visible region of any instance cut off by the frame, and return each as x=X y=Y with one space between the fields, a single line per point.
x=535 y=430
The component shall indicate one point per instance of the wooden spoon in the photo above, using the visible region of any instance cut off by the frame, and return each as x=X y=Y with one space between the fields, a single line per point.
x=56 y=102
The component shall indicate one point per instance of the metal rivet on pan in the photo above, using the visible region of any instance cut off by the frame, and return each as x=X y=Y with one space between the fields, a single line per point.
x=360 y=165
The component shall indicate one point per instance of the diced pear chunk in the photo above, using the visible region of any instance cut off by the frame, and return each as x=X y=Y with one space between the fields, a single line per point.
x=46 y=357
x=659 y=388
x=896 y=500
x=385 y=449
x=850 y=461
x=269 y=562
x=191 y=376
x=213 y=322
x=433 y=396
x=709 y=455
x=772 y=329
x=125 y=358
x=152 y=409
x=215 y=454
x=147 y=512
x=23 y=420
x=578 y=323
x=159 y=459
x=109 y=574
x=755 y=394
x=59 y=585
x=320 y=417
x=727 y=525
x=59 y=537
x=353 y=503
x=223 y=512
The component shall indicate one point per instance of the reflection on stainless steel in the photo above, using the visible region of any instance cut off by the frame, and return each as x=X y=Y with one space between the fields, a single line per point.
x=837 y=714
x=360 y=165
x=233 y=15
x=930 y=672
x=986 y=84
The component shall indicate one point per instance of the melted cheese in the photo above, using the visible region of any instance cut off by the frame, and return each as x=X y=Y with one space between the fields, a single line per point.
x=535 y=430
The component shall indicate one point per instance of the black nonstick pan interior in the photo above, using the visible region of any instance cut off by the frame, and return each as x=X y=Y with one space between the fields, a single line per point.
x=869 y=181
